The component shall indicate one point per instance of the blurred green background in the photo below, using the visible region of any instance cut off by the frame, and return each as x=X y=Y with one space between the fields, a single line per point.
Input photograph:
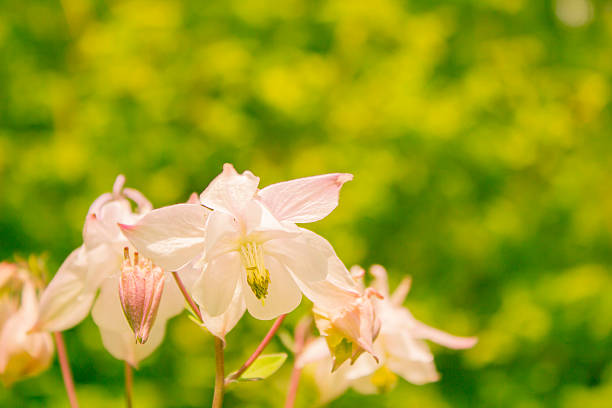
x=479 y=133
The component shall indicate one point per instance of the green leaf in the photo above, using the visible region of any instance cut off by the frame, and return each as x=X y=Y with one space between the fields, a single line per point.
x=263 y=367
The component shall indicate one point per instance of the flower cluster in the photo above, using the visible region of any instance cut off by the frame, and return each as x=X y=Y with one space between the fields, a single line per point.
x=399 y=349
x=232 y=249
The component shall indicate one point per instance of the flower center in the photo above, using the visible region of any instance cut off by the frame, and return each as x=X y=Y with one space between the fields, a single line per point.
x=258 y=276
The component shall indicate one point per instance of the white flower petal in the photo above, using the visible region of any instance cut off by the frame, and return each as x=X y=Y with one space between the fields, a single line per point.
x=222 y=324
x=326 y=296
x=305 y=256
x=214 y=289
x=222 y=235
x=67 y=299
x=230 y=191
x=306 y=199
x=260 y=225
x=169 y=236
x=283 y=293
x=416 y=372
x=402 y=346
x=104 y=261
x=107 y=312
x=337 y=273
x=364 y=366
x=121 y=345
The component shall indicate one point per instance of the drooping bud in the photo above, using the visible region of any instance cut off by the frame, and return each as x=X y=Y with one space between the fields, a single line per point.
x=140 y=289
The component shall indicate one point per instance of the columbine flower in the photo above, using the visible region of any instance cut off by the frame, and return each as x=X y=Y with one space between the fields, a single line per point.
x=252 y=252
x=96 y=265
x=346 y=318
x=22 y=354
x=400 y=347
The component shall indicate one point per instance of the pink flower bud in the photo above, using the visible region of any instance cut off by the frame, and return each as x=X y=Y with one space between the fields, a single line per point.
x=140 y=289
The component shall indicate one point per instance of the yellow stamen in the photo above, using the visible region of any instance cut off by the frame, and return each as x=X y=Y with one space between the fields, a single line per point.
x=258 y=277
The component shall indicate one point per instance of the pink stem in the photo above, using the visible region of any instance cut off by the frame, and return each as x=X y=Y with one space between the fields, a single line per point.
x=62 y=356
x=186 y=295
x=294 y=382
x=258 y=350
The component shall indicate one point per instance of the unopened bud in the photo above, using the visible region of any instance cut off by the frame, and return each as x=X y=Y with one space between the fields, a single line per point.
x=140 y=289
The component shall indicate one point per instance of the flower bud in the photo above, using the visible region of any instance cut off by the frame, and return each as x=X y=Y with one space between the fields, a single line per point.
x=140 y=289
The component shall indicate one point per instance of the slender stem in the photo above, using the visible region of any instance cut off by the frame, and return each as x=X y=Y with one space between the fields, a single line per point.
x=192 y=304
x=219 y=374
x=300 y=336
x=258 y=350
x=129 y=380
x=62 y=356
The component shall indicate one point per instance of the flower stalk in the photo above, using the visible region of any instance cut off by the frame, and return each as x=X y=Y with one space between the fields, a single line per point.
x=260 y=348
x=194 y=308
x=301 y=331
x=219 y=374
x=62 y=356
x=129 y=381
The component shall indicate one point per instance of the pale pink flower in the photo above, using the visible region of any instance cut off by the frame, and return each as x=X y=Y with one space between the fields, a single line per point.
x=400 y=347
x=96 y=266
x=249 y=249
x=346 y=318
x=22 y=354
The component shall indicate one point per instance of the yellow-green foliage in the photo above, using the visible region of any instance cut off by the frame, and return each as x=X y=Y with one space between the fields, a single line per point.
x=478 y=131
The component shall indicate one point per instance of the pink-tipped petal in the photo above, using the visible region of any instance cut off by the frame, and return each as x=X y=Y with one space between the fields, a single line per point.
x=306 y=199
x=447 y=340
x=194 y=198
